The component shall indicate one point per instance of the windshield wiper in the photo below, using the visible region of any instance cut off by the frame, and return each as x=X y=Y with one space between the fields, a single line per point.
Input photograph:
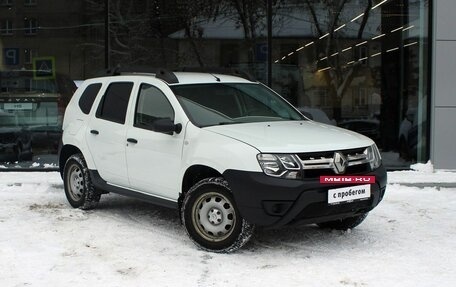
x=229 y=123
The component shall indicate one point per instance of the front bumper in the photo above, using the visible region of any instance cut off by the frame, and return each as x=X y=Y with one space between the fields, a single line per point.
x=274 y=202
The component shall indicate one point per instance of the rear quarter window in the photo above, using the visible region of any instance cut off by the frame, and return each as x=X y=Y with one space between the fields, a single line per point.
x=88 y=97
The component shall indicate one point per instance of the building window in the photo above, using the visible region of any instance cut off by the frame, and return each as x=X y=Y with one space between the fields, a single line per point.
x=29 y=54
x=30 y=26
x=29 y=2
x=363 y=55
x=6 y=2
x=6 y=27
x=360 y=100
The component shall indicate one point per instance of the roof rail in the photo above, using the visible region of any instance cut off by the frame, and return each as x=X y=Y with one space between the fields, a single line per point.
x=219 y=70
x=113 y=71
x=166 y=76
x=170 y=77
x=159 y=73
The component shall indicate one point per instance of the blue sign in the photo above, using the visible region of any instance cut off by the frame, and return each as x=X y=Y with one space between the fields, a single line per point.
x=261 y=52
x=11 y=56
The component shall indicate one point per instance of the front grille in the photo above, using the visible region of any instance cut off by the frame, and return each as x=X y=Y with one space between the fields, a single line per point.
x=351 y=170
x=316 y=164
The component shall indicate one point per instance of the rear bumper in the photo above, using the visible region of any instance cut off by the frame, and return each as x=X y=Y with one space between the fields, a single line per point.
x=274 y=202
x=7 y=152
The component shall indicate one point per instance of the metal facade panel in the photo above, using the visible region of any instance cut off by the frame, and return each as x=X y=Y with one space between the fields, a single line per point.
x=445 y=73
x=444 y=138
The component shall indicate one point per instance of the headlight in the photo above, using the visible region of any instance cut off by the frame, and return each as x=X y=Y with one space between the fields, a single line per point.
x=280 y=165
x=374 y=157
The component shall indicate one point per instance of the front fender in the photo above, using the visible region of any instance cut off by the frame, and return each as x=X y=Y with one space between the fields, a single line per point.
x=203 y=147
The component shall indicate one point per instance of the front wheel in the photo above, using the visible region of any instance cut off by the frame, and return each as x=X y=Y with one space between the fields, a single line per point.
x=344 y=224
x=79 y=190
x=212 y=219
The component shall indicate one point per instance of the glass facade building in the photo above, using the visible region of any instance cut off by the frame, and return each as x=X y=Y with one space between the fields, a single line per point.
x=364 y=65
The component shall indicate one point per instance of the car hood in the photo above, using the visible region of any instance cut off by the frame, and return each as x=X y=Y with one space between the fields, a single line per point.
x=292 y=136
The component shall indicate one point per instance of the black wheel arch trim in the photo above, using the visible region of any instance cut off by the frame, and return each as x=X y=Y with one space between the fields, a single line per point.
x=64 y=152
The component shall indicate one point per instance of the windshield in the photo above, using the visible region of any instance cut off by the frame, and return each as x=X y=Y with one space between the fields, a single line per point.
x=7 y=120
x=22 y=82
x=231 y=103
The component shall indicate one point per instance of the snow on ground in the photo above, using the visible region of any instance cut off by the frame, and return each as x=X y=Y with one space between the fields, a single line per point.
x=408 y=240
x=422 y=173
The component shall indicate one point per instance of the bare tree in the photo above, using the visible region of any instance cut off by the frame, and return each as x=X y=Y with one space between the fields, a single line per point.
x=189 y=13
x=251 y=15
x=339 y=75
x=127 y=28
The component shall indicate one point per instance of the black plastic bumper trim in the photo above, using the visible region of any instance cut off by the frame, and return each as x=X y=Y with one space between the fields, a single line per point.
x=297 y=200
x=101 y=184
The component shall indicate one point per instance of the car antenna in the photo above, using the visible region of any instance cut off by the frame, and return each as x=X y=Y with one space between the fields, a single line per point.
x=216 y=78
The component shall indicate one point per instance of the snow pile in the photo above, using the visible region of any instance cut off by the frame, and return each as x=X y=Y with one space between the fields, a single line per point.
x=50 y=165
x=423 y=167
x=422 y=173
x=408 y=240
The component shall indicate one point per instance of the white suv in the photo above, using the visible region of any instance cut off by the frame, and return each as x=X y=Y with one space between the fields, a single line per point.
x=227 y=152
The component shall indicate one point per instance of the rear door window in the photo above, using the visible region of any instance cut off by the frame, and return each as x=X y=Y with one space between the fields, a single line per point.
x=113 y=106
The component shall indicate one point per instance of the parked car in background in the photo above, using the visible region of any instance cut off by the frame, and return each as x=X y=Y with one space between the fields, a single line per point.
x=15 y=142
x=368 y=127
x=317 y=115
x=37 y=106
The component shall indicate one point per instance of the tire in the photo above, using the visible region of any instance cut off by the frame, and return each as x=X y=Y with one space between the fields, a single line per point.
x=344 y=224
x=79 y=190
x=18 y=152
x=221 y=229
x=22 y=154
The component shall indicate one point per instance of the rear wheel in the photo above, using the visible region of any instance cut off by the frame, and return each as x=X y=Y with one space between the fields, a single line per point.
x=18 y=152
x=79 y=189
x=344 y=224
x=212 y=219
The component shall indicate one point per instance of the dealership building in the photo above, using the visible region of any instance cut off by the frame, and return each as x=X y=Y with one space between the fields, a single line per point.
x=383 y=68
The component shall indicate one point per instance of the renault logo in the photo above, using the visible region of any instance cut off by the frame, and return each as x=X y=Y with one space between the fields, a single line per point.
x=340 y=163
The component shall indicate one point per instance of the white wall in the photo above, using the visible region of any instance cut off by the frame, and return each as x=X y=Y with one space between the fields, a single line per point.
x=443 y=119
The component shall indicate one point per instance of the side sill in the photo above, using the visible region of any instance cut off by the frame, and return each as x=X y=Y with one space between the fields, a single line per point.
x=100 y=183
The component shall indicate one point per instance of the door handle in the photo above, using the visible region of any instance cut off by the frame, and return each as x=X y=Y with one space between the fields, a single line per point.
x=95 y=132
x=130 y=140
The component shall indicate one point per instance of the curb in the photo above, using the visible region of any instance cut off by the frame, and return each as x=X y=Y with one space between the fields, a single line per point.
x=429 y=184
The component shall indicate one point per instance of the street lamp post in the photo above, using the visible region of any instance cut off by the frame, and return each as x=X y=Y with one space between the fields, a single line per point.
x=269 y=57
x=107 y=43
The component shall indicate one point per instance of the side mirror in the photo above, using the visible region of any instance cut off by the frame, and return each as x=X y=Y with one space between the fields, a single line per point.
x=166 y=126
